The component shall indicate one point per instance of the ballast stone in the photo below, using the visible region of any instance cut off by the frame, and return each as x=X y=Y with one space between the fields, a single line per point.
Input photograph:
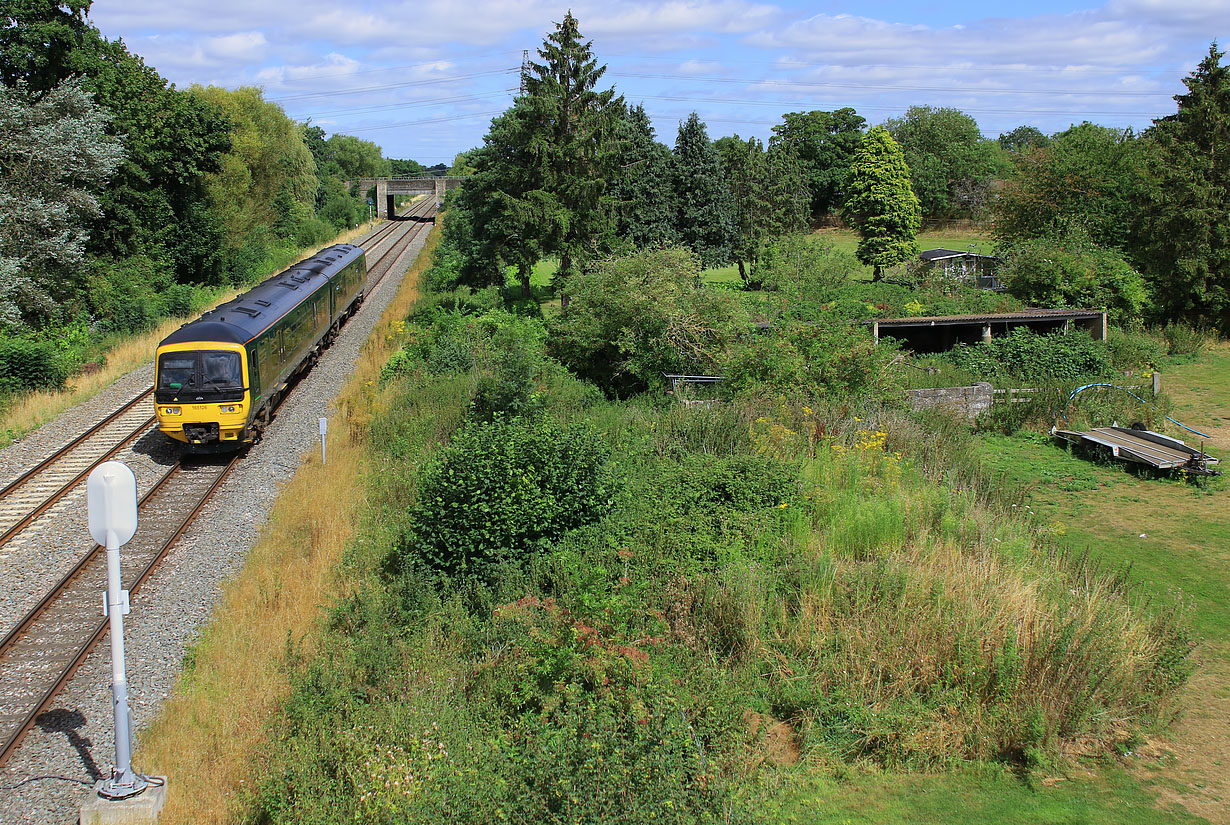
x=142 y=809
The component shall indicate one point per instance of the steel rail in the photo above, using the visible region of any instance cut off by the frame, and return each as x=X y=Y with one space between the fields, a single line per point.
x=62 y=588
x=65 y=488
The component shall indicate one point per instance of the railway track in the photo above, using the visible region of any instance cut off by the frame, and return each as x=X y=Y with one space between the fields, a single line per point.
x=400 y=235
x=32 y=493
x=39 y=655
x=39 y=488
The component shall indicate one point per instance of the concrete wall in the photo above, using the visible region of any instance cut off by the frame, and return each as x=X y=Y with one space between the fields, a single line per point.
x=968 y=402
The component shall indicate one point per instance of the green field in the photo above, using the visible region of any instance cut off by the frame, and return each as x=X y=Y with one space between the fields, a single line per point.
x=843 y=239
x=846 y=240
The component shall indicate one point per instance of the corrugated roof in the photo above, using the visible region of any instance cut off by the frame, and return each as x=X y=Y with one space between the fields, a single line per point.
x=994 y=317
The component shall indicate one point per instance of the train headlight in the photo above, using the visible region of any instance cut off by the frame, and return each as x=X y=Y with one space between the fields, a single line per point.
x=229 y=408
x=170 y=410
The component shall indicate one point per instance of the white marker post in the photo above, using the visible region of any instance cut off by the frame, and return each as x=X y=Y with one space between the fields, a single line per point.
x=111 y=493
x=324 y=428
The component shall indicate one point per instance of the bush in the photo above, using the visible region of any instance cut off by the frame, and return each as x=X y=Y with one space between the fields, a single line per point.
x=124 y=295
x=1135 y=348
x=631 y=319
x=830 y=358
x=804 y=267
x=503 y=490
x=507 y=383
x=1184 y=341
x=1072 y=272
x=313 y=231
x=1027 y=356
x=249 y=262
x=29 y=362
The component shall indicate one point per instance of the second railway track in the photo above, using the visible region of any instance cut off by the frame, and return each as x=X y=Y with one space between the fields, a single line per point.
x=40 y=654
x=31 y=493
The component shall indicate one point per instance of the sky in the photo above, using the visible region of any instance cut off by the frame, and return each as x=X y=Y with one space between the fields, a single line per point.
x=423 y=79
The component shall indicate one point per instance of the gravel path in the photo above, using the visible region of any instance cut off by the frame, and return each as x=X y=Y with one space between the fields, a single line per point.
x=49 y=776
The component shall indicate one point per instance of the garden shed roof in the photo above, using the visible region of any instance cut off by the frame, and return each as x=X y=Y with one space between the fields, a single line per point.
x=941 y=254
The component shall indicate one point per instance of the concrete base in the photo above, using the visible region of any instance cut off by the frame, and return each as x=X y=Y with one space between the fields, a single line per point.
x=142 y=809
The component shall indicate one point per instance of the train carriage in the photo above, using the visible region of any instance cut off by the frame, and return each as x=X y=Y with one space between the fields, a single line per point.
x=218 y=378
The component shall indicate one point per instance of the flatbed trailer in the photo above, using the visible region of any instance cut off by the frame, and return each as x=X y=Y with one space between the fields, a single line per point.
x=1142 y=447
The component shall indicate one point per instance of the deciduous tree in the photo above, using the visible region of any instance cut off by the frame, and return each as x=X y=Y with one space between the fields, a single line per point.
x=880 y=203
x=1088 y=176
x=37 y=39
x=268 y=172
x=943 y=148
x=825 y=143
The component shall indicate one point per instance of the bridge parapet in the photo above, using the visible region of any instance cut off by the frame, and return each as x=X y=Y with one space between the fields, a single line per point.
x=386 y=188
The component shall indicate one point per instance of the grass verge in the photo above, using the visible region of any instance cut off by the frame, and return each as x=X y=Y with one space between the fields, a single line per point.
x=206 y=735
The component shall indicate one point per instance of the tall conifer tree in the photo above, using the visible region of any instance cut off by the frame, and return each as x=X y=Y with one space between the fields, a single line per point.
x=540 y=181
x=706 y=221
x=574 y=127
x=642 y=190
x=880 y=203
x=1185 y=245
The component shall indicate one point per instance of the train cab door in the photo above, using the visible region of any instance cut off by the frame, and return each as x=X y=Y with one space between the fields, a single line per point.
x=254 y=374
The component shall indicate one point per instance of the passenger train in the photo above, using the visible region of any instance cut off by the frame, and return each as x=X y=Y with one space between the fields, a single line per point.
x=219 y=378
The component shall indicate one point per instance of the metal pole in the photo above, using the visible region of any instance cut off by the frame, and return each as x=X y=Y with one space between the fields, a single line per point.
x=123 y=782
x=324 y=428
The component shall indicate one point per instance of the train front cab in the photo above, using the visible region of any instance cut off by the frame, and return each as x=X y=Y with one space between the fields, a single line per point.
x=202 y=394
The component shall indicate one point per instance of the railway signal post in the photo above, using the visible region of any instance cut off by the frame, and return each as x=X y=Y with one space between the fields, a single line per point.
x=324 y=429
x=112 y=502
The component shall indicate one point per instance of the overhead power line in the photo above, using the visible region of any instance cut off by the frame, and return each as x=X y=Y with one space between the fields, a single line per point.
x=385 y=107
x=411 y=123
x=796 y=104
x=386 y=69
x=973 y=66
x=406 y=85
x=828 y=85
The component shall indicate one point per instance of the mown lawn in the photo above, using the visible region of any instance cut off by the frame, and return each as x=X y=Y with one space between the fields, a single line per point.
x=1176 y=538
x=846 y=240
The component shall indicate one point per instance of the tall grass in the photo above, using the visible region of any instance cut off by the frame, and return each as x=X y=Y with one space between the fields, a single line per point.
x=206 y=735
x=771 y=583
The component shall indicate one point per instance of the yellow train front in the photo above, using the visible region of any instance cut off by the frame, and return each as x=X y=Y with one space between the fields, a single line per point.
x=219 y=378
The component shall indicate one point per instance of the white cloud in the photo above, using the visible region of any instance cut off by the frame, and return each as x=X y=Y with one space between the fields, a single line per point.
x=1006 y=70
x=699 y=67
x=237 y=46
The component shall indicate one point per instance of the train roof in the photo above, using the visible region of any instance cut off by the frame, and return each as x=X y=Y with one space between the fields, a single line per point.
x=245 y=316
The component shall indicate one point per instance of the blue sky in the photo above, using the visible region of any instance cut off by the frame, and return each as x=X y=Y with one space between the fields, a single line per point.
x=424 y=78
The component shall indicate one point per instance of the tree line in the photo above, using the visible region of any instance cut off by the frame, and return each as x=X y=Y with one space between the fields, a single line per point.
x=577 y=173
x=124 y=199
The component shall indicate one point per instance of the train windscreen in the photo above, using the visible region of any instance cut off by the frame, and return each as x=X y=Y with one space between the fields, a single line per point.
x=207 y=375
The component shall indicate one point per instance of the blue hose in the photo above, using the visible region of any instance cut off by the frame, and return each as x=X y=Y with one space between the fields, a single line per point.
x=1134 y=395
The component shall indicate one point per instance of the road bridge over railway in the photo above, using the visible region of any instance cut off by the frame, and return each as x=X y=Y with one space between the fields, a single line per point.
x=388 y=188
